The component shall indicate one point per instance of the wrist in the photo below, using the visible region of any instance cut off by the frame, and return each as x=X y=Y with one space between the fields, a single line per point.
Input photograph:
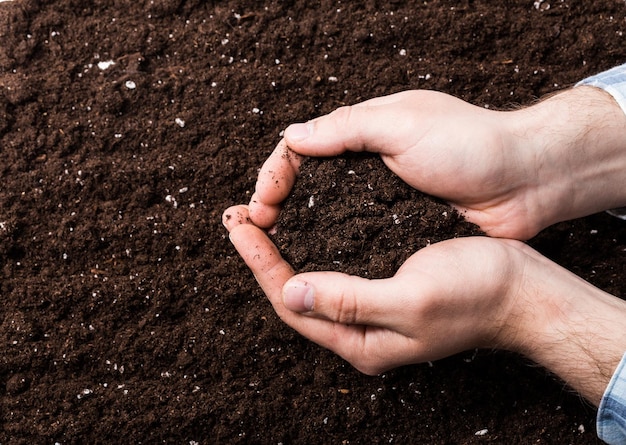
x=574 y=144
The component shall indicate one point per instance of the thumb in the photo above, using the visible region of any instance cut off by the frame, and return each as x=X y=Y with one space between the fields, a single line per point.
x=344 y=299
x=367 y=126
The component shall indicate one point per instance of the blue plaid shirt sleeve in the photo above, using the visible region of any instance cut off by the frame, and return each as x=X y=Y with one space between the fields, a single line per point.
x=613 y=81
x=611 y=419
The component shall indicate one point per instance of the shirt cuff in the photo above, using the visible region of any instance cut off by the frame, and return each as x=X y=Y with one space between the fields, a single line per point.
x=611 y=419
x=612 y=81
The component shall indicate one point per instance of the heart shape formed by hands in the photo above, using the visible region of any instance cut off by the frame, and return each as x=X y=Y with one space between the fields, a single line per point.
x=352 y=214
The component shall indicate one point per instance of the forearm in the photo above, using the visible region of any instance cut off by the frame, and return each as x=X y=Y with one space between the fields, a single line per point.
x=576 y=141
x=587 y=345
x=568 y=326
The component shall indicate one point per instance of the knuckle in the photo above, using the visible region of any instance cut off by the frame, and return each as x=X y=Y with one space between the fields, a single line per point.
x=342 y=116
x=346 y=309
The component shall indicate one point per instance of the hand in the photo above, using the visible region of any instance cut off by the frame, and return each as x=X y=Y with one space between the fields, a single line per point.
x=512 y=173
x=437 y=304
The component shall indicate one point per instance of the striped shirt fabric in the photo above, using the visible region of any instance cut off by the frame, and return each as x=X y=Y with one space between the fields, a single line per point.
x=613 y=81
x=611 y=419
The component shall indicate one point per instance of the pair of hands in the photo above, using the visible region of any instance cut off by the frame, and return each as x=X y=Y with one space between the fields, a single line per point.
x=504 y=171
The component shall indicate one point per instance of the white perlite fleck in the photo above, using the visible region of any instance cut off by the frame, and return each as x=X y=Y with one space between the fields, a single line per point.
x=171 y=200
x=105 y=65
x=180 y=122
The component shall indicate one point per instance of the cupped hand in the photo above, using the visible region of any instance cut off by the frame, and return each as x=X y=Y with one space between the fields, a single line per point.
x=512 y=173
x=436 y=143
x=446 y=298
x=451 y=296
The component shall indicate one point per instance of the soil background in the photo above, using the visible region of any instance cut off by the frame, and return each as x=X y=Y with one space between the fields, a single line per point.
x=126 y=315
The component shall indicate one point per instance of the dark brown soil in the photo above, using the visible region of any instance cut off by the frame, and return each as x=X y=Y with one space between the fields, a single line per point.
x=126 y=315
x=361 y=219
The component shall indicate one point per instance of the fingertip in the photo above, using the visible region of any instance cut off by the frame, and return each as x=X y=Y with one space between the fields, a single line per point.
x=362 y=127
x=235 y=216
x=261 y=214
x=277 y=175
x=343 y=298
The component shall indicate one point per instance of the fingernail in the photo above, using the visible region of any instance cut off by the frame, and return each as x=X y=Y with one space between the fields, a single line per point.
x=298 y=132
x=298 y=296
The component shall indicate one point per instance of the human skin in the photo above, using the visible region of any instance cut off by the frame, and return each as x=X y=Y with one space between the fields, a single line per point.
x=512 y=173
x=459 y=294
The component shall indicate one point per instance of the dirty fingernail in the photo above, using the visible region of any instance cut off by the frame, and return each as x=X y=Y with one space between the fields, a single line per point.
x=298 y=296
x=234 y=217
x=298 y=132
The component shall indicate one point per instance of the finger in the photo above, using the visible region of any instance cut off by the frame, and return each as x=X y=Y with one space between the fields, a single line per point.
x=234 y=216
x=262 y=214
x=366 y=321
x=262 y=257
x=278 y=174
x=346 y=299
x=276 y=179
x=367 y=126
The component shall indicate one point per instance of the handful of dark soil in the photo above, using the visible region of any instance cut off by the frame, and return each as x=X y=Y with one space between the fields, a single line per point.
x=352 y=214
